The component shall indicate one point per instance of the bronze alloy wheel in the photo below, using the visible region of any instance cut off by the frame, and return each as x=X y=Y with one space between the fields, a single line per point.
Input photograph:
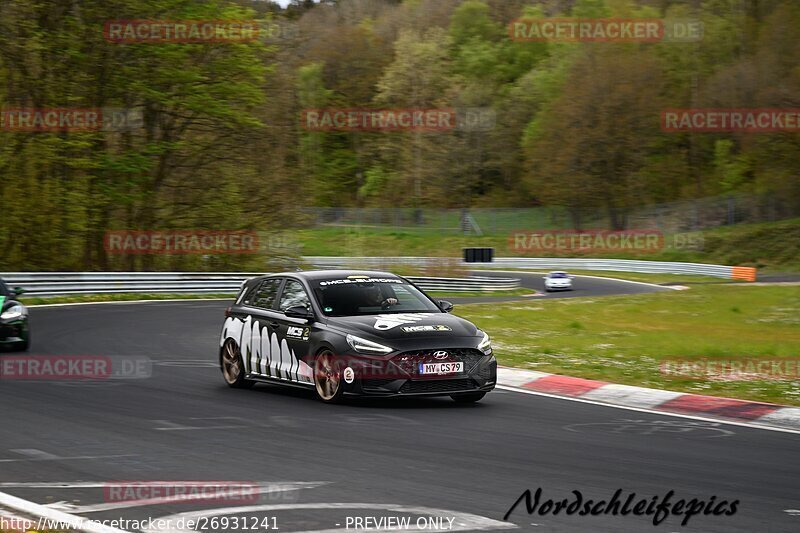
x=232 y=368
x=328 y=377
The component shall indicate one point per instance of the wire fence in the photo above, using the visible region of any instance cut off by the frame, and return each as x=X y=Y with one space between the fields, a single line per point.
x=689 y=215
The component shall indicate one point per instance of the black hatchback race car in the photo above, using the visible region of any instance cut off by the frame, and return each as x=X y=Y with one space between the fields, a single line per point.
x=353 y=333
x=14 y=331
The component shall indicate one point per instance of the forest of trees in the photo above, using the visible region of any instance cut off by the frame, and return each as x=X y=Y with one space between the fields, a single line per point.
x=221 y=144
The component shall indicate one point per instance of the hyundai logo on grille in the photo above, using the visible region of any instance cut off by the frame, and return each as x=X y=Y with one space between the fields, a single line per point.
x=440 y=355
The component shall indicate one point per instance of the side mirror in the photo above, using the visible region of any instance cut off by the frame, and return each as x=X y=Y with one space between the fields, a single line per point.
x=445 y=306
x=299 y=311
x=18 y=291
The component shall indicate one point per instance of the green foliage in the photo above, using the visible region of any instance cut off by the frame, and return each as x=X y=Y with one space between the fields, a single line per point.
x=198 y=103
x=576 y=125
x=731 y=168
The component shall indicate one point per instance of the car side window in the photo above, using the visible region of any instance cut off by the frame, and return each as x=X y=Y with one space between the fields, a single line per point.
x=294 y=294
x=264 y=295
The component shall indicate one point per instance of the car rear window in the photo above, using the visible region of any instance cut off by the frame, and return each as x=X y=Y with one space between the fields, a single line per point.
x=264 y=294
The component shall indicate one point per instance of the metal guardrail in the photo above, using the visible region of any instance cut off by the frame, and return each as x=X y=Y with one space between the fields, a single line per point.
x=65 y=283
x=536 y=263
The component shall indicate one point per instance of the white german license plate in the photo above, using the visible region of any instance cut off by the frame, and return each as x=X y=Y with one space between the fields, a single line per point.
x=441 y=368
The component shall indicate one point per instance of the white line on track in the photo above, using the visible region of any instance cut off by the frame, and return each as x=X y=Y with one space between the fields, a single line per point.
x=34 y=453
x=57 y=458
x=671 y=287
x=64 y=519
x=651 y=411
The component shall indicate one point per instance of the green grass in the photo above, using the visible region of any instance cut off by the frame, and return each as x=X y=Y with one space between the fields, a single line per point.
x=121 y=297
x=336 y=241
x=770 y=246
x=622 y=339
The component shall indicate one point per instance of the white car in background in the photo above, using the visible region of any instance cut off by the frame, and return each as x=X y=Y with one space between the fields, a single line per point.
x=557 y=281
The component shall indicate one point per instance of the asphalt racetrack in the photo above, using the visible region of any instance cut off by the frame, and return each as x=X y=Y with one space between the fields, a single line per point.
x=582 y=287
x=320 y=467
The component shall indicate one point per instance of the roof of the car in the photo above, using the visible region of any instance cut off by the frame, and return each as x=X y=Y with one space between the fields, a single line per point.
x=558 y=272
x=335 y=274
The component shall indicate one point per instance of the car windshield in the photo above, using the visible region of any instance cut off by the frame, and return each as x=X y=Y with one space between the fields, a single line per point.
x=558 y=275
x=370 y=296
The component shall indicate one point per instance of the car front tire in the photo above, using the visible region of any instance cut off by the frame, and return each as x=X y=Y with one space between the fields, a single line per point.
x=328 y=381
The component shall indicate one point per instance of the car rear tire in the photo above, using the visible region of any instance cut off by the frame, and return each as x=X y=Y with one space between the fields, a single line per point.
x=468 y=397
x=232 y=366
x=328 y=377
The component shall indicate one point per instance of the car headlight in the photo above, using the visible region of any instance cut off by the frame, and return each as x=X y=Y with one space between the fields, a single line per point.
x=365 y=346
x=486 y=343
x=15 y=311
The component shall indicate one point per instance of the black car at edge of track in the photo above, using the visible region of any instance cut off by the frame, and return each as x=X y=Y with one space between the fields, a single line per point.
x=14 y=328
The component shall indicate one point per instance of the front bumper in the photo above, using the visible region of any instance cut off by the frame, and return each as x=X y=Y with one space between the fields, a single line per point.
x=398 y=376
x=558 y=287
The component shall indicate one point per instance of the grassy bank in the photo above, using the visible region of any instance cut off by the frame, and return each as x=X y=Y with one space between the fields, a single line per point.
x=772 y=246
x=624 y=339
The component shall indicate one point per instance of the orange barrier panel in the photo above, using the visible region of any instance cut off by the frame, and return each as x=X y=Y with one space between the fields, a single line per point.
x=745 y=273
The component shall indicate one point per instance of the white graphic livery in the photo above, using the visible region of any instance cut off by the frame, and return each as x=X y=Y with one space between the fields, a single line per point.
x=262 y=353
x=384 y=322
